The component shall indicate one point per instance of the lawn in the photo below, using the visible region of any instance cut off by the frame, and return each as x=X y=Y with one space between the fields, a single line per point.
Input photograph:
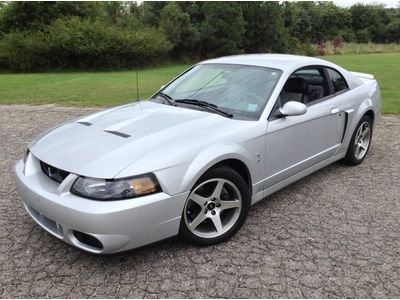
x=112 y=88
x=386 y=69
x=84 y=88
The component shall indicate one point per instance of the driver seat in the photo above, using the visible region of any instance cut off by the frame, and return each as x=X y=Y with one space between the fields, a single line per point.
x=295 y=89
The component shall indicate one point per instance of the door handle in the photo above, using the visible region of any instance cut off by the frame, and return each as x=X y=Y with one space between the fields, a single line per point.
x=334 y=110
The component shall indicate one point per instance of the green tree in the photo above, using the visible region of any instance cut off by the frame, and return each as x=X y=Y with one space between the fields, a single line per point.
x=368 y=22
x=223 y=28
x=334 y=20
x=116 y=10
x=176 y=25
x=150 y=12
x=35 y=15
x=303 y=21
x=264 y=27
x=379 y=29
x=393 y=31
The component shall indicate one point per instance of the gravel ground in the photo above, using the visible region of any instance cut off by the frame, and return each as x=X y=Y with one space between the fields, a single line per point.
x=335 y=233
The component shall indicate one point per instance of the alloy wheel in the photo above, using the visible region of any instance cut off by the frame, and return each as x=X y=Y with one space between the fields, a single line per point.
x=362 y=140
x=213 y=208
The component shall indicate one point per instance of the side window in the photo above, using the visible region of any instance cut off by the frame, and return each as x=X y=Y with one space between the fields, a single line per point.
x=305 y=85
x=338 y=82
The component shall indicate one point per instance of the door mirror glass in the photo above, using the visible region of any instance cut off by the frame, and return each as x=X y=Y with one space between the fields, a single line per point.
x=293 y=108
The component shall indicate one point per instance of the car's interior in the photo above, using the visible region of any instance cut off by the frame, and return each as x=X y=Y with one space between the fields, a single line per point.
x=309 y=85
x=244 y=90
x=240 y=89
x=306 y=86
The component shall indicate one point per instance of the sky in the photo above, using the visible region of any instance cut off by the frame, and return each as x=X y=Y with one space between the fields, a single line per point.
x=387 y=3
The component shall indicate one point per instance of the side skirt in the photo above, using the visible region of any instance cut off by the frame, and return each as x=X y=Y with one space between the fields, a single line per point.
x=280 y=185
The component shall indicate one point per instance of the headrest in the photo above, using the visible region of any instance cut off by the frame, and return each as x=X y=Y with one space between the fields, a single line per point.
x=296 y=85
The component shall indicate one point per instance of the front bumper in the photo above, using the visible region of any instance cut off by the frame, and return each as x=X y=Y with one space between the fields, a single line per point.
x=117 y=225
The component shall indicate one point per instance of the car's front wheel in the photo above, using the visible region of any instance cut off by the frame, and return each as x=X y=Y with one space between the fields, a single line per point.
x=216 y=207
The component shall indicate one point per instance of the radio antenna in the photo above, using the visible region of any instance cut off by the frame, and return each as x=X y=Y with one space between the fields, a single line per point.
x=137 y=85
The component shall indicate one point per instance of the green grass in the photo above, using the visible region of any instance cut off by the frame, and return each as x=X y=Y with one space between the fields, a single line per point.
x=112 y=88
x=386 y=69
x=83 y=88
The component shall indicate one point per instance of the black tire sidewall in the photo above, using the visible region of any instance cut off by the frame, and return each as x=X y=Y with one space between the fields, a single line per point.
x=231 y=175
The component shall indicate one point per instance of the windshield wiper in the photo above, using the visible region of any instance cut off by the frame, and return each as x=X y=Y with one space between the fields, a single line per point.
x=204 y=104
x=166 y=97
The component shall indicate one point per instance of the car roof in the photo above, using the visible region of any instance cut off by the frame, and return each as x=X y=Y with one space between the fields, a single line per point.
x=284 y=62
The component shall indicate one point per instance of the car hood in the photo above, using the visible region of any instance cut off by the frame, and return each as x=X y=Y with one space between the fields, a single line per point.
x=103 y=144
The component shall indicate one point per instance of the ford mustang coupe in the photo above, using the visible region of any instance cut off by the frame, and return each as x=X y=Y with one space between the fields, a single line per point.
x=194 y=157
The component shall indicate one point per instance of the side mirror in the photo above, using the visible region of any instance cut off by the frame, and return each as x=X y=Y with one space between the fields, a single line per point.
x=293 y=108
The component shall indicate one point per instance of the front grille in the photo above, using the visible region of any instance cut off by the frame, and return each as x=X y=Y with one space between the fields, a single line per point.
x=54 y=173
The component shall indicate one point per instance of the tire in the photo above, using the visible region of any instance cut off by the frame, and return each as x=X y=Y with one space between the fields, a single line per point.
x=360 y=142
x=203 y=207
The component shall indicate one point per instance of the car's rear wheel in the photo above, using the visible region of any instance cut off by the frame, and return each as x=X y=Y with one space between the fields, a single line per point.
x=216 y=207
x=360 y=142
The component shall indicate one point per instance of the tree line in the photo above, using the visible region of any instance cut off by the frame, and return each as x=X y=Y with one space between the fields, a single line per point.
x=37 y=36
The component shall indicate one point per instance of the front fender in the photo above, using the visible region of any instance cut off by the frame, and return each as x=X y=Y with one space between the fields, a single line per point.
x=212 y=156
x=182 y=177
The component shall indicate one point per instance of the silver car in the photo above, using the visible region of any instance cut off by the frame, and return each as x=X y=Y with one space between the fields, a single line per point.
x=193 y=158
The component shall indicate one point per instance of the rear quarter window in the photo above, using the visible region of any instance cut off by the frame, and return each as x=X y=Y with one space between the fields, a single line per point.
x=338 y=82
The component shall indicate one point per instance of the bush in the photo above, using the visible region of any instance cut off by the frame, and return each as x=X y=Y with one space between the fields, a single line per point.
x=22 y=51
x=83 y=44
x=304 y=49
x=361 y=48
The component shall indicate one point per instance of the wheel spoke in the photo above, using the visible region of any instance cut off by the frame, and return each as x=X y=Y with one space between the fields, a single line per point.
x=218 y=189
x=359 y=132
x=217 y=223
x=198 y=199
x=358 y=150
x=230 y=204
x=365 y=132
x=197 y=221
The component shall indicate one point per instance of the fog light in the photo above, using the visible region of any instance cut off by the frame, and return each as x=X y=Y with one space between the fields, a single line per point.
x=88 y=239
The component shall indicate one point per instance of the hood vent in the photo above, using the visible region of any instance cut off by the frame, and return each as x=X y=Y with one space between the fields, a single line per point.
x=85 y=123
x=124 y=135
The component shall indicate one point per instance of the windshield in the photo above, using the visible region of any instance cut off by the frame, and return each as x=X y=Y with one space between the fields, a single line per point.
x=240 y=90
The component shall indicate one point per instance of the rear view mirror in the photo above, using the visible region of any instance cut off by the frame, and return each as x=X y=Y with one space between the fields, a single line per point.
x=293 y=108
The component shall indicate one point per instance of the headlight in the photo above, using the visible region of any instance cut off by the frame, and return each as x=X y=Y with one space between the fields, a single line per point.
x=118 y=189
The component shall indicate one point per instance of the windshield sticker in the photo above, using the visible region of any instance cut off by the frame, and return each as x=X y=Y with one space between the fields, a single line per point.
x=252 y=107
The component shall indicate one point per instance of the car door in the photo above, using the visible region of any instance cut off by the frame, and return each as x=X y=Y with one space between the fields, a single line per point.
x=296 y=143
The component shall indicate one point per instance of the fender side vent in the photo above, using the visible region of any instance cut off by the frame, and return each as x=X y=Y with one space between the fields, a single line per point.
x=124 y=135
x=85 y=123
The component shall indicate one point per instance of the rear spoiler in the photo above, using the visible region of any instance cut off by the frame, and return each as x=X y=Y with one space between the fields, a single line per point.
x=363 y=75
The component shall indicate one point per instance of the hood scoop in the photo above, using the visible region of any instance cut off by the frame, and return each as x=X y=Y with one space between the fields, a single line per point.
x=85 y=123
x=124 y=135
